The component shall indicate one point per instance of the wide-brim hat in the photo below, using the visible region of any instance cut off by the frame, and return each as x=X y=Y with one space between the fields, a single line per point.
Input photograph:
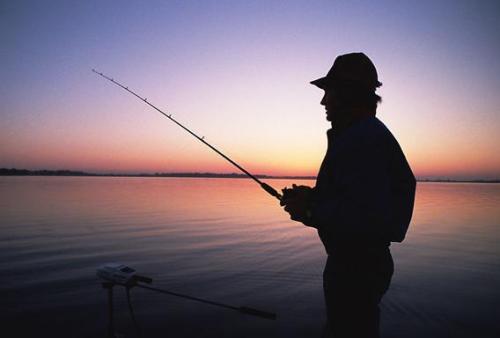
x=354 y=69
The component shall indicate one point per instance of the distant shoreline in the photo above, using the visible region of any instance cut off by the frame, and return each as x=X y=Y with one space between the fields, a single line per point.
x=25 y=172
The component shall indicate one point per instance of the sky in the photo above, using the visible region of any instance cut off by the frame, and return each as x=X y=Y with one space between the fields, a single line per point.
x=237 y=73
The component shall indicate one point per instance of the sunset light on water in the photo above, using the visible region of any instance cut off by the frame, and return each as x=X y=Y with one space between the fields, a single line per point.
x=223 y=239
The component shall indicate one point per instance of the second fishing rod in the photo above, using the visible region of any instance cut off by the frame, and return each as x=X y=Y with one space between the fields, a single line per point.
x=270 y=190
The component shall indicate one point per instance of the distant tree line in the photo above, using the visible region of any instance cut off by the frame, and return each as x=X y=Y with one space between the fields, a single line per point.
x=25 y=172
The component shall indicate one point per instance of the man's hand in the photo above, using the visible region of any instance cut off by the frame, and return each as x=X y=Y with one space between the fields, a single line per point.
x=297 y=202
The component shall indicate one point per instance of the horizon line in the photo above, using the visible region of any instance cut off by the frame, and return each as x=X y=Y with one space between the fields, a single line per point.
x=67 y=172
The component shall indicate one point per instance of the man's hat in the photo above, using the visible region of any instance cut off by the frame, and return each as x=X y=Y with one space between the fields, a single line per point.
x=353 y=68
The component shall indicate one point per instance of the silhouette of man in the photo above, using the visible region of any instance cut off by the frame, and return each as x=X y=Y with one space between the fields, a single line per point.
x=362 y=201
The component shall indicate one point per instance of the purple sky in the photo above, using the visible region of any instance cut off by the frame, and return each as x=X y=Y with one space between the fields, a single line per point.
x=237 y=72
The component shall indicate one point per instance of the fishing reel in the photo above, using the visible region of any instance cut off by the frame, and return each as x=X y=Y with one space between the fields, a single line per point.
x=295 y=191
x=287 y=193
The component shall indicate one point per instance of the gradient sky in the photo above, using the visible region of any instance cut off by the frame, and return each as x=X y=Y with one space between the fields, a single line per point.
x=237 y=72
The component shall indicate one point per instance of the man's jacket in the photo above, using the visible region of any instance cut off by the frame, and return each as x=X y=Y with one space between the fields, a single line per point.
x=365 y=189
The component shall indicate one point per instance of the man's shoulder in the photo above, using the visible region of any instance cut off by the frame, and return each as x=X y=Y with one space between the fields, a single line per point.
x=376 y=129
x=369 y=133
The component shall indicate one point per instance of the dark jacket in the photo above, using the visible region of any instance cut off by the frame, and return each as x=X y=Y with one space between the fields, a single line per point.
x=365 y=189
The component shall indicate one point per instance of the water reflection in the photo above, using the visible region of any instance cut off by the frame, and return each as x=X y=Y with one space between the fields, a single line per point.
x=225 y=239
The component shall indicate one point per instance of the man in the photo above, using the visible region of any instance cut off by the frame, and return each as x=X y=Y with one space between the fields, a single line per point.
x=362 y=201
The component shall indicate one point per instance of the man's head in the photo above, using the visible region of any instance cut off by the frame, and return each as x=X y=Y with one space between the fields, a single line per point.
x=349 y=87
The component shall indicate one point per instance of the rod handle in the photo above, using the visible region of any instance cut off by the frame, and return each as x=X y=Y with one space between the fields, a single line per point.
x=270 y=190
x=258 y=313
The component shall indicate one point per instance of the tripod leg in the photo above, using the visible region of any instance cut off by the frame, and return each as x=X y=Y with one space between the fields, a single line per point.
x=111 y=329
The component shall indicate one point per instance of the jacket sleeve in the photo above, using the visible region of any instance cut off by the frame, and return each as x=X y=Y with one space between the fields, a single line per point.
x=360 y=204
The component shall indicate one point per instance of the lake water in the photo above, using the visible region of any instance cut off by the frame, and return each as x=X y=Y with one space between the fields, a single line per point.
x=227 y=241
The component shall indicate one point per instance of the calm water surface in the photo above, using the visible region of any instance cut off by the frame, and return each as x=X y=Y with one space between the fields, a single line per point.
x=227 y=241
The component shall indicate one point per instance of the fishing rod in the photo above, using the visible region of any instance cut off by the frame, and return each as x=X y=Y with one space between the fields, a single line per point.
x=270 y=190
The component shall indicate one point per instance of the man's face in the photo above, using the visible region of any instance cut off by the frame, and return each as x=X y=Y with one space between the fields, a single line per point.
x=332 y=105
